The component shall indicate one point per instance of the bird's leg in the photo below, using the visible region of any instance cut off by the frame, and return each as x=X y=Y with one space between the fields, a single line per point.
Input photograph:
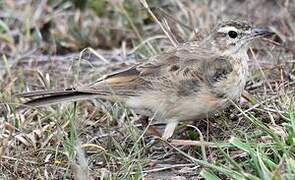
x=169 y=129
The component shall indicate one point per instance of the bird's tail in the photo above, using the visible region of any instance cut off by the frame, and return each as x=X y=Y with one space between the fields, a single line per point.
x=44 y=98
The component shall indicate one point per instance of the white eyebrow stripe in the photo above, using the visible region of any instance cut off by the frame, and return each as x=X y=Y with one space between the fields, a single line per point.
x=227 y=29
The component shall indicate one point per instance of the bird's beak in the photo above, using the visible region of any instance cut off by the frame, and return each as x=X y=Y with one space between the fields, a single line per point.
x=261 y=32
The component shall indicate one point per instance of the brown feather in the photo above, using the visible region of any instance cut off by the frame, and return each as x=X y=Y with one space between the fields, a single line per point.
x=187 y=82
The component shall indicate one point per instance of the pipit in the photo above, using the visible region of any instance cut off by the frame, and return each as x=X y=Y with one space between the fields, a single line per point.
x=188 y=82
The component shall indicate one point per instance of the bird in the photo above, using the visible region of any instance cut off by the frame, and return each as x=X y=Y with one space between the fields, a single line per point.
x=188 y=82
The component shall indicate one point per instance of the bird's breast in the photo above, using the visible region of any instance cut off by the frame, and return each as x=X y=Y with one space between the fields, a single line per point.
x=233 y=86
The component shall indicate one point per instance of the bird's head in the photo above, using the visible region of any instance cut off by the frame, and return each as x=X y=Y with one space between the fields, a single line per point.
x=234 y=37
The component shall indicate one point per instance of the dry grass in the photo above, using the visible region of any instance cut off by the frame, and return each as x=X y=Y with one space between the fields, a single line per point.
x=40 y=43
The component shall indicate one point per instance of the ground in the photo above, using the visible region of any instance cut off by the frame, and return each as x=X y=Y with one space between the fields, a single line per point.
x=48 y=44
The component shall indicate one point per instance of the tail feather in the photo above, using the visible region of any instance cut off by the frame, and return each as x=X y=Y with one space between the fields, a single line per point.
x=49 y=97
x=41 y=93
x=45 y=98
x=59 y=97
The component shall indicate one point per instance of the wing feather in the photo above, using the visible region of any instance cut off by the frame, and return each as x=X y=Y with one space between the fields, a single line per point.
x=182 y=71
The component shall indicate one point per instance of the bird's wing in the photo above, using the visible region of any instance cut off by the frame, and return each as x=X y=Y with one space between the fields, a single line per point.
x=180 y=67
x=182 y=71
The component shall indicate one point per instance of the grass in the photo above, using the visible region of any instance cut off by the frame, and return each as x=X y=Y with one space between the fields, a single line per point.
x=40 y=45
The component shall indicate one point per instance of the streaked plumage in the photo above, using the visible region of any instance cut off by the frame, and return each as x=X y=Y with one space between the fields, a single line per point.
x=185 y=83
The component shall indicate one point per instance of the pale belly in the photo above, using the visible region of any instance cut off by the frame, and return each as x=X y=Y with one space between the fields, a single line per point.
x=166 y=107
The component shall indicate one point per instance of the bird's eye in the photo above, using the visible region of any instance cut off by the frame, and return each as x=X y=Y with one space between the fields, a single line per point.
x=232 y=34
